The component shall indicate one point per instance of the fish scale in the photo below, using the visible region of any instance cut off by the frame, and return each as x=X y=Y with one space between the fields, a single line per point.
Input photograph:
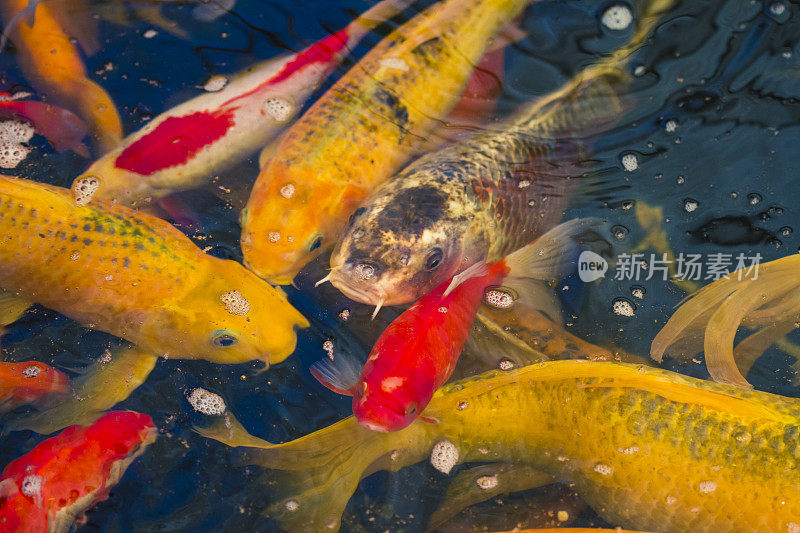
x=136 y=277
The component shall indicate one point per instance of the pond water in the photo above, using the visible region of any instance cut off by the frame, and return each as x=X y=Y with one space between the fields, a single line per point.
x=702 y=162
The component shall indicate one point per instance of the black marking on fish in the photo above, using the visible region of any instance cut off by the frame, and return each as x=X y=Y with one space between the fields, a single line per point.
x=414 y=209
x=398 y=110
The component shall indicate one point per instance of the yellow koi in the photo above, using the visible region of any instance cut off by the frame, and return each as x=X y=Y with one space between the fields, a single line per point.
x=646 y=448
x=362 y=130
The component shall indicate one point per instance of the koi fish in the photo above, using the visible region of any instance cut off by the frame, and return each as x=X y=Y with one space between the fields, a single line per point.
x=188 y=144
x=648 y=449
x=54 y=66
x=483 y=198
x=419 y=350
x=62 y=128
x=763 y=298
x=51 y=486
x=29 y=381
x=362 y=130
x=137 y=277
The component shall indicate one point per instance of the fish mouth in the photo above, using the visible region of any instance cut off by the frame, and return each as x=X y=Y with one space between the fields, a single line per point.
x=372 y=296
x=373 y=426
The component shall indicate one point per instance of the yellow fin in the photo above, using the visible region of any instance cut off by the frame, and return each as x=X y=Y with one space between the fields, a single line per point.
x=11 y=308
x=481 y=483
x=228 y=430
x=101 y=387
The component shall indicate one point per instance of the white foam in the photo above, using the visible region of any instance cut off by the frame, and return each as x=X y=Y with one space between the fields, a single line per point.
x=444 y=456
x=235 y=303
x=206 y=402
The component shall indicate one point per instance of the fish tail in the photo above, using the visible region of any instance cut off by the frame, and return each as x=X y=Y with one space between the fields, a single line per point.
x=97 y=390
x=315 y=476
x=710 y=318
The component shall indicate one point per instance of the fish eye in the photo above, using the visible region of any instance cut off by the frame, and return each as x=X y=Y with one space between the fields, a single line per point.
x=357 y=213
x=433 y=259
x=315 y=242
x=223 y=339
x=411 y=409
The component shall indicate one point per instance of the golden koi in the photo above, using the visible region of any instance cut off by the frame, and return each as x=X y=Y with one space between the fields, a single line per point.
x=646 y=448
x=362 y=130
x=54 y=66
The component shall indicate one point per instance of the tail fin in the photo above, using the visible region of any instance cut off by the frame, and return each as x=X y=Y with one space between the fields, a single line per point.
x=316 y=475
x=100 y=388
x=714 y=313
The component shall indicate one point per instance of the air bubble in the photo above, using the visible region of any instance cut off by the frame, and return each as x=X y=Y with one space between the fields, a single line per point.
x=15 y=132
x=345 y=314
x=31 y=371
x=31 y=485
x=444 y=456
x=619 y=232
x=287 y=191
x=235 y=303
x=274 y=236
x=777 y=8
x=12 y=154
x=278 y=108
x=206 y=402
x=75 y=255
x=623 y=307
x=690 y=204
x=462 y=405
x=442 y=309
x=487 y=482
x=753 y=198
x=292 y=505
x=498 y=298
x=637 y=292
x=670 y=126
x=506 y=364
x=84 y=188
x=149 y=34
x=617 y=17
x=328 y=347
x=603 y=470
x=524 y=184
x=786 y=230
x=707 y=486
x=365 y=270
x=629 y=162
x=680 y=180
x=562 y=516
x=216 y=83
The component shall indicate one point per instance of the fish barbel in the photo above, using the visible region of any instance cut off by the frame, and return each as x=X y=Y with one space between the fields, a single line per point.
x=137 y=277
x=481 y=199
x=648 y=449
x=362 y=130
x=185 y=146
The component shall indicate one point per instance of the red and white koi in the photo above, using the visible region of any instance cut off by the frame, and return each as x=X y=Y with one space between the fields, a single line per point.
x=190 y=143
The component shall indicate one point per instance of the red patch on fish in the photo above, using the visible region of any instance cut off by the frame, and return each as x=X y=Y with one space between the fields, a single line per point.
x=324 y=51
x=29 y=381
x=175 y=141
x=62 y=128
x=74 y=468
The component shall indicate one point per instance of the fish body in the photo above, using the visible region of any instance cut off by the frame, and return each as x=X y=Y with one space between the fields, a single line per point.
x=485 y=197
x=61 y=127
x=29 y=381
x=648 y=449
x=362 y=130
x=54 y=67
x=416 y=354
x=198 y=139
x=48 y=488
x=137 y=277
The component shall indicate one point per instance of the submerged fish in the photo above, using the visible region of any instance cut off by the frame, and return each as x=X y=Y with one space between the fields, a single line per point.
x=29 y=381
x=765 y=298
x=646 y=448
x=62 y=128
x=54 y=66
x=137 y=277
x=362 y=130
x=419 y=350
x=188 y=144
x=481 y=199
x=51 y=486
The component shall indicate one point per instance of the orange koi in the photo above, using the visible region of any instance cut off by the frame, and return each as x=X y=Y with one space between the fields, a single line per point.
x=29 y=381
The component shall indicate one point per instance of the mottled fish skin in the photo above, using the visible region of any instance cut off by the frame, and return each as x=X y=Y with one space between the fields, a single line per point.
x=482 y=198
x=363 y=130
x=648 y=449
x=136 y=277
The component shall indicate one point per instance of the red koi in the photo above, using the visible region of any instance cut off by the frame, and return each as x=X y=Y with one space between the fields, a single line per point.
x=49 y=487
x=62 y=128
x=29 y=381
x=185 y=146
x=418 y=351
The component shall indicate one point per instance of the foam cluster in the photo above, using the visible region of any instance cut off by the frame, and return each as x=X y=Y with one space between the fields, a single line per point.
x=235 y=303
x=12 y=134
x=206 y=402
x=444 y=456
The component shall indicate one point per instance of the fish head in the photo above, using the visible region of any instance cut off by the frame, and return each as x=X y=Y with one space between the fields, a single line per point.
x=384 y=408
x=231 y=317
x=290 y=219
x=397 y=248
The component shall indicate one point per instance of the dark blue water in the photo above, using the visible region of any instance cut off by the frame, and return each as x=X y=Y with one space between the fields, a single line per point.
x=725 y=74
